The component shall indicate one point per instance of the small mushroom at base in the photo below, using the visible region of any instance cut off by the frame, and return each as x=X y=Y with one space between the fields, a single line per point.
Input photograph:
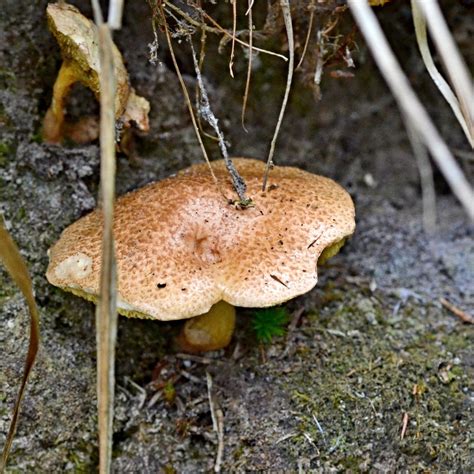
x=210 y=331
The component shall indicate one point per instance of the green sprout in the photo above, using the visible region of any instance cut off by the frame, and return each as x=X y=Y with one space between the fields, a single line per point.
x=269 y=323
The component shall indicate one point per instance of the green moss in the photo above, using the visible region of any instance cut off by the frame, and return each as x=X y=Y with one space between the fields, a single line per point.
x=373 y=374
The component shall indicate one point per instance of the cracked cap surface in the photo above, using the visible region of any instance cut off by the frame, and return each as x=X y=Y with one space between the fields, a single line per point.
x=181 y=247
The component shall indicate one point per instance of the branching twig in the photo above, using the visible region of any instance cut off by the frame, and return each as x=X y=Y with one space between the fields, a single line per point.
x=186 y=95
x=285 y=8
x=208 y=115
x=218 y=28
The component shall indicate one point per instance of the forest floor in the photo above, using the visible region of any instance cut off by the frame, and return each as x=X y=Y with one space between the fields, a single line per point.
x=371 y=351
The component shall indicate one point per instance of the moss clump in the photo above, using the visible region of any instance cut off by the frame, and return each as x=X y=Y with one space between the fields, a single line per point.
x=373 y=375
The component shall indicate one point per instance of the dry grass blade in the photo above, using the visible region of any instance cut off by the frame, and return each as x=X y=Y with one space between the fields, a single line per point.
x=186 y=94
x=410 y=104
x=249 y=66
x=453 y=62
x=106 y=316
x=114 y=19
x=106 y=312
x=16 y=267
x=426 y=179
x=421 y=37
x=308 y=34
x=285 y=8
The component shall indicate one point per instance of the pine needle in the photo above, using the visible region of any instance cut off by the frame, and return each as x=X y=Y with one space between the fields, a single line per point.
x=13 y=261
x=285 y=8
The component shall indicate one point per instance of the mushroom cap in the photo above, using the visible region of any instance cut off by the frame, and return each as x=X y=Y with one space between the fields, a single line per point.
x=181 y=247
x=78 y=38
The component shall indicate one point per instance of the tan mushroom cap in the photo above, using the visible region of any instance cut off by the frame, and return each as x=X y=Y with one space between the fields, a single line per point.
x=78 y=38
x=181 y=247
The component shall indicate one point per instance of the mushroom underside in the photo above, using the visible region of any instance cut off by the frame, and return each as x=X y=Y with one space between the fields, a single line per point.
x=212 y=330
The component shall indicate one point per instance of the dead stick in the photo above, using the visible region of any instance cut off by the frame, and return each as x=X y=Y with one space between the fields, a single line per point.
x=462 y=315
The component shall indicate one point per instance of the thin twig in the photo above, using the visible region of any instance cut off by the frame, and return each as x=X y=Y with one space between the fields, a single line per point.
x=249 y=66
x=218 y=28
x=202 y=54
x=404 y=425
x=217 y=423
x=312 y=8
x=234 y=28
x=186 y=95
x=462 y=315
x=208 y=115
x=285 y=8
x=410 y=104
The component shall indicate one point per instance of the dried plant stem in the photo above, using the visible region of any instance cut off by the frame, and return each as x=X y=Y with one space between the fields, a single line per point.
x=218 y=28
x=422 y=39
x=462 y=315
x=208 y=115
x=426 y=179
x=249 y=66
x=217 y=423
x=285 y=8
x=312 y=8
x=15 y=265
x=410 y=105
x=106 y=311
x=234 y=29
x=186 y=95
x=454 y=64
x=114 y=19
x=106 y=315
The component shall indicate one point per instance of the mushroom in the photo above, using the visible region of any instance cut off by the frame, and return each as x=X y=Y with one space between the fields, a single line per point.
x=79 y=42
x=184 y=250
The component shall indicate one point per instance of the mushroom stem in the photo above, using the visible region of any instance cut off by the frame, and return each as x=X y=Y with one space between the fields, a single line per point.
x=54 y=119
x=210 y=331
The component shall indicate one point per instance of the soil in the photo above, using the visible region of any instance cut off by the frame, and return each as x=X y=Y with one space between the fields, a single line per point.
x=370 y=349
